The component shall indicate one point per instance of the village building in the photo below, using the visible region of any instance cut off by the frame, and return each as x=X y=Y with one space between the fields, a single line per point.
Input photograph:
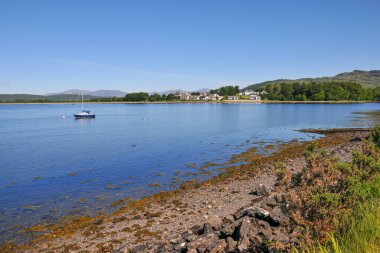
x=248 y=93
x=195 y=97
x=232 y=97
x=214 y=97
x=254 y=97
x=184 y=96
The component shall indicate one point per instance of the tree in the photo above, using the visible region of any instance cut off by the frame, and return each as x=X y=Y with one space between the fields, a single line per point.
x=137 y=97
x=155 y=97
x=171 y=97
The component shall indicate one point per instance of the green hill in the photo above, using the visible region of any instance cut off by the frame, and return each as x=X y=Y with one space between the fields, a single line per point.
x=368 y=79
x=40 y=98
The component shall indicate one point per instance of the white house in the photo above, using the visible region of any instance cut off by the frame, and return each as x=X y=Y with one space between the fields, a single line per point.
x=254 y=97
x=232 y=97
x=248 y=93
x=184 y=96
x=214 y=97
x=195 y=97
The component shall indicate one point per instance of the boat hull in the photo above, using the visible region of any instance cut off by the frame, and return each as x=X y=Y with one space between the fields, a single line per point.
x=90 y=116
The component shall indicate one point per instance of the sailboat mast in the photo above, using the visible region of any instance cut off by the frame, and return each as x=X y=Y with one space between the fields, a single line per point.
x=82 y=100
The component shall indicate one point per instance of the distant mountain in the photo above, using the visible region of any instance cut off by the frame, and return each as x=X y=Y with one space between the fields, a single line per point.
x=29 y=97
x=97 y=93
x=203 y=90
x=179 y=91
x=171 y=91
x=368 y=79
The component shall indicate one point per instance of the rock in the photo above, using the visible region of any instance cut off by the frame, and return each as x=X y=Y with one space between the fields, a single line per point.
x=188 y=236
x=229 y=230
x=215 y=222
x=257 y=212
x=278 y=216
x=202 y=242
x=261 y=190
x=280 y=198
x=180 y=247
x=207 y=229
x=256 y=199
x=263 y=224
x=165 y=248
x=231 y=244
x=196 y=229
x=217 y=246
x=191 y=251
x=140 y=249
x=280 y=237
x=228 y=219
x=243 y=244
x=271 y=202
x=266 y=232
x=243 y=229
x=261 y=214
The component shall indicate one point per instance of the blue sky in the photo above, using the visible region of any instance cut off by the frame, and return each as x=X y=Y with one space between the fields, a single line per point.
x=48 y=46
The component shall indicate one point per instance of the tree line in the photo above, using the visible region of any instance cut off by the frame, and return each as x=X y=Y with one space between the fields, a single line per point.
x=319 y=91
x=140 y=97
x=226 y=90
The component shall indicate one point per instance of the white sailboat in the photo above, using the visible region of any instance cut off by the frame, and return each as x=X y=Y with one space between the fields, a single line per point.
x=85 y=114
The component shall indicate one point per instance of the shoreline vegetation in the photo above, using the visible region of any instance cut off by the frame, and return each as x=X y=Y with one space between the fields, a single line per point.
x=315 y=196
x=281 y=92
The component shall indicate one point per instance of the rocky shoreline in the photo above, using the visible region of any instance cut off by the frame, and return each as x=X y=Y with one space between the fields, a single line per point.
x=241 y=210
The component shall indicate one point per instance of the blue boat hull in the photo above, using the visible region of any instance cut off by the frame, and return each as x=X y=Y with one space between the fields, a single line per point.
x=84 y=116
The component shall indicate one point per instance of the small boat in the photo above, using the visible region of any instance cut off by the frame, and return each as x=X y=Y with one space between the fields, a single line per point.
x=85 y=114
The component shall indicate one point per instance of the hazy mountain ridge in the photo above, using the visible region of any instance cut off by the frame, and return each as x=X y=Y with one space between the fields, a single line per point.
x=368 y=79
x=96 y=93
x=55 y=98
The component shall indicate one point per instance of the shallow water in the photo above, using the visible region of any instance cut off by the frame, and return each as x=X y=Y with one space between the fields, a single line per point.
x=50 y=167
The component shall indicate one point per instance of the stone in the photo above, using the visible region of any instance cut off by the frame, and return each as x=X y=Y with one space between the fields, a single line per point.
x=271 y=202
x=216 y=246
x=196 y=229
x=261 y=190
x=191 y=251
x=281 y=237
x=187 y=234
x=207 y=229
x=228 y=219
x=231 y=244
x=278 y=216
x=165 y=248
x=215 y=222
x=140 y=249
x=280 y=198
x=243 y=244
x=243 y=229
x=266 y=232
x=230 y=229
x=202 y=242
x=257 y=212
x=180 y=247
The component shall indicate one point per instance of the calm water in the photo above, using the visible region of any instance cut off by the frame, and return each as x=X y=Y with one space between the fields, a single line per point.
x=51 y=166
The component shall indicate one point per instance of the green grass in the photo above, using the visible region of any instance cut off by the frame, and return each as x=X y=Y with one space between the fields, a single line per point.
x=352 y=206
x=361 y=232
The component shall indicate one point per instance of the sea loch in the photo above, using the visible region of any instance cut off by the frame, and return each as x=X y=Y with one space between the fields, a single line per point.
x=52 y=166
